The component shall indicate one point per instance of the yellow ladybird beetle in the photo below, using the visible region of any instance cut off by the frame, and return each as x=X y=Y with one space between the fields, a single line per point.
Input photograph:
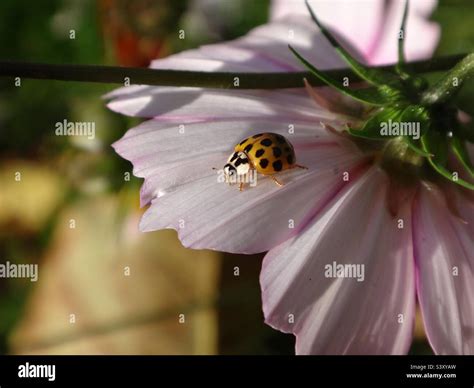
x=267 y=153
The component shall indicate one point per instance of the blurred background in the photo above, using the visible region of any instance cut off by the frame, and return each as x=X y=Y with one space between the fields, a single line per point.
x=105 y=288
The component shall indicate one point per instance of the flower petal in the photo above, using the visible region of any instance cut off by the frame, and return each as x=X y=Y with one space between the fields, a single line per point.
x=184 y=189
x=444 y=254
x=417 y=25
x=355 y=22
x=343 y=315
x=176 y=152
x=183 y=105
x=371 y=26
x=168 y=155
x=264 y=49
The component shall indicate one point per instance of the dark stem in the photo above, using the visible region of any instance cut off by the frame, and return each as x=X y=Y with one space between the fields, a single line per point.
x=221 y=80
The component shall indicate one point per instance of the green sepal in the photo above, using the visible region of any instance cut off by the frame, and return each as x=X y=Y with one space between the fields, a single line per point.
x=417 y=113
x=433 y=142
x=418 y=83
x=392 y=95
x=372 y=127
x=459 y=149
x=413 y=144
x=369 y=96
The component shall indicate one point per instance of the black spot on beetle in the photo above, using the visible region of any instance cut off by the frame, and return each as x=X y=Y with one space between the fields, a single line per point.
x=280 y=139
x=277 y=165
x=276 y=152
x=290 y=159
x=257 y=135
x=248 y=148
x=264 y=163
x=259 y=152
x=240 y=161
x=230 y=169
x=242 y=142
x=266 y=142
x=234 y=157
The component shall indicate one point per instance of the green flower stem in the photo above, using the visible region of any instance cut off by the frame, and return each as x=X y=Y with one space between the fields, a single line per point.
x=220 y=80
x=451 y=83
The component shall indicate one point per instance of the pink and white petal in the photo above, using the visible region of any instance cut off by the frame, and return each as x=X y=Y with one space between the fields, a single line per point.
x=210 y=214
x=343 y=315
x=271 y=41
x=184 y=105
x=371 y=26
x=214 y=57
x=164 y=152
x=264 y=49
x=126 y=91
x=177 y=168
x=421 y=35
x=444 y=253
x=358 y=23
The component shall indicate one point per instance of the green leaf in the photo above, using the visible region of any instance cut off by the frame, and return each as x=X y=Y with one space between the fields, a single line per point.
x=372 y=127
x=435 y=143
x=459 y=149
x=373 y=76
x=369 y=96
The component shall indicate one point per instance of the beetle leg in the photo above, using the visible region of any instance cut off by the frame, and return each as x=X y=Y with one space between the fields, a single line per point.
x=277 y=182
x=300 y=166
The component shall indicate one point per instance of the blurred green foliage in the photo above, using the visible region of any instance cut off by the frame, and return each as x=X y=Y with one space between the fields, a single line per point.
x=40 y=32
x=456 y=19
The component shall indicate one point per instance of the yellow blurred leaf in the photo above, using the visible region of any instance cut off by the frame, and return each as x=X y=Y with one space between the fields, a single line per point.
x=124 y=290
x=29 y=194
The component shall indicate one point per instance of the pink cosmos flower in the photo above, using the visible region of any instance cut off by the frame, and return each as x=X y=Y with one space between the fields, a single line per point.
x=344 y=209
